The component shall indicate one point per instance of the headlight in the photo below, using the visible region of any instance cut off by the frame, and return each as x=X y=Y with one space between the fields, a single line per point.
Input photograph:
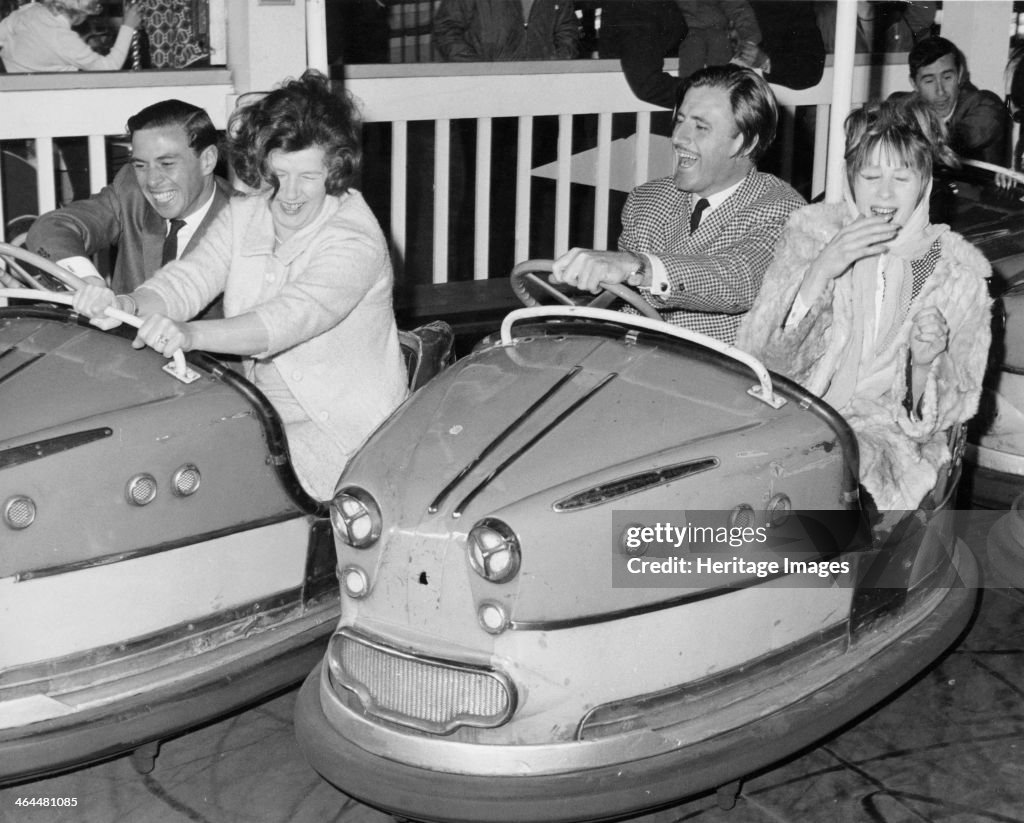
x=355 y=582
x=355 y=517
x=493 y=550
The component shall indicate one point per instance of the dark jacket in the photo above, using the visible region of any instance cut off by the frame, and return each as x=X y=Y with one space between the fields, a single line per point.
x=791 y=38
x=489 y=30
x=118 y=216
x=979 y=128
x=641 y=34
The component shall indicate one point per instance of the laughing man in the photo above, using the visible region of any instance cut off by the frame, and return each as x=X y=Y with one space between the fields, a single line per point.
x=697 y=244
x=157 y=207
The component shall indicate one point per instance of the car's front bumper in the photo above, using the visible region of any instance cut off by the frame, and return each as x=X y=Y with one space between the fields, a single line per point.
x=412 y=775
x=192 y=693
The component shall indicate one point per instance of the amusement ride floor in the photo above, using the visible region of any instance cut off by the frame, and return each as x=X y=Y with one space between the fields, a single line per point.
x=949 y=748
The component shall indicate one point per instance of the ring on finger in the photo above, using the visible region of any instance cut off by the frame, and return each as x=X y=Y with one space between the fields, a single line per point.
x=161 y=341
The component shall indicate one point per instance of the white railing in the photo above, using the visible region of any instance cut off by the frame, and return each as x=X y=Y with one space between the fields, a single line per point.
x=98 y=105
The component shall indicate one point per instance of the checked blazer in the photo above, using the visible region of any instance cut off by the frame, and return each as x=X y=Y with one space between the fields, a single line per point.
x=716 y=273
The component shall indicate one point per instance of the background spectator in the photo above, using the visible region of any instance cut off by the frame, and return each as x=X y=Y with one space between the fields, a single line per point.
x=39 y=37
x=468 y=30
x=712 y=28
x=975 y=119
x=641 y=34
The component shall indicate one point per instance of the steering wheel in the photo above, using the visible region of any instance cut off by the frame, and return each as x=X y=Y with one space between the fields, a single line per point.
x=524 y=273
x=11 y=254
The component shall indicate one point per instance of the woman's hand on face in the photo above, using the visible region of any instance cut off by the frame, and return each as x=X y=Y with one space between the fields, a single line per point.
x=864 y=237
x=929 y=336
x=163 y=335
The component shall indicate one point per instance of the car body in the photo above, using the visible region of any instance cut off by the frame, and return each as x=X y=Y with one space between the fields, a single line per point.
x=495 y=660
x=160 y=564
x=993 y=219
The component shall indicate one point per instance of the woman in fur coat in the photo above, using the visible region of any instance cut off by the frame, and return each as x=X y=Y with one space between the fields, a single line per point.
x=884 y=315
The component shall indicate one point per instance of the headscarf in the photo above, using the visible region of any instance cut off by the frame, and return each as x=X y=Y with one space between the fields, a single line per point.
x=873 y=329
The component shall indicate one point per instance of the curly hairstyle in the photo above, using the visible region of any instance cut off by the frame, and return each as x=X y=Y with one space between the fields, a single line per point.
x=298 y=115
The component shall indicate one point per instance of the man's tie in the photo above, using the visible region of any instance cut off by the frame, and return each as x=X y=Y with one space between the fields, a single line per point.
x=698 y=210
x=171 y=242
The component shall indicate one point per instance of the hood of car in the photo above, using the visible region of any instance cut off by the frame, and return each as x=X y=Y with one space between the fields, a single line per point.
x=54 y=375
x=552 y=436
x=551 y=416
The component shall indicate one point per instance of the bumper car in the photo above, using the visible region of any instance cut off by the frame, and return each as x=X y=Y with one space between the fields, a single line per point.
x=514 y=646
x=160 y=564
x=993 y=219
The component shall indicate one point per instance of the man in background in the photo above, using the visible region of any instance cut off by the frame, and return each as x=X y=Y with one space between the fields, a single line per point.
x=975 y=119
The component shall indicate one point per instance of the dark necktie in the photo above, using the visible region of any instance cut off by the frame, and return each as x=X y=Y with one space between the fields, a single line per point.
x=171 y=242
x=698 y=210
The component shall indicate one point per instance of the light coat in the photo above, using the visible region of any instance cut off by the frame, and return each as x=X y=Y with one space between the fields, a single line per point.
x=900 y=454
x=325 y=299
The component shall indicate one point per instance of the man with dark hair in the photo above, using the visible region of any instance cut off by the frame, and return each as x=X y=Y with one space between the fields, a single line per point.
x=697 y=244
x=156 y=208
x=975 y=119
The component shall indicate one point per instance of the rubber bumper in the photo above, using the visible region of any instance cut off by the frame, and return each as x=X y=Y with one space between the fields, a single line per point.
x=85 y=737
x=616 y=790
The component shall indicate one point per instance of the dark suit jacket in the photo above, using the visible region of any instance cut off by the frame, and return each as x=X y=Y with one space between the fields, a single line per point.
x=118 y=216
x=715 y=273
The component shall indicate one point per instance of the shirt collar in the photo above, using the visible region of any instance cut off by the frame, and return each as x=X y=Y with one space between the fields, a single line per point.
x=715 y=200
x=193 y=220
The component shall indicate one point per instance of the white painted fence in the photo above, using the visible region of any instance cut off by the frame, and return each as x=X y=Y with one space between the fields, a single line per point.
x=43 y=107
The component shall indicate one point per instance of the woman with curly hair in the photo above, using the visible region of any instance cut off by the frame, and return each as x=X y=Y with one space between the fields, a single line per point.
x=306 y=277
x=877 y=310
x=39 y=37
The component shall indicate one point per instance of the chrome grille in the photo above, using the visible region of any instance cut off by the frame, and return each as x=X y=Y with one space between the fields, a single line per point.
x=426 y=693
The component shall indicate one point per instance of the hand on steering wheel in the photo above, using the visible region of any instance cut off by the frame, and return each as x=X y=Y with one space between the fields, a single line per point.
x=524 y=273
x=12 y=254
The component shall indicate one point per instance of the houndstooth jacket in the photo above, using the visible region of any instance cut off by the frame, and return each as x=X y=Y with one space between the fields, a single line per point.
x=716 y=273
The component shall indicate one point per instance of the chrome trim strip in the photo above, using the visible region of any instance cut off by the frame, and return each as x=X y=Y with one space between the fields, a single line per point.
x=632 y=483
x=188 y=639
x=501 y=437
x=457 y=511
x=590 y=619
x=32 y=360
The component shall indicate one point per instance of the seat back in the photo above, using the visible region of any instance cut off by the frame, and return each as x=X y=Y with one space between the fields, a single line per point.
x=426 y=350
